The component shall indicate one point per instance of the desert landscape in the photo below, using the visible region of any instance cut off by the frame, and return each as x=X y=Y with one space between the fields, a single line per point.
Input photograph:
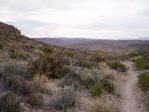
x=39 y=77
x=74 y=56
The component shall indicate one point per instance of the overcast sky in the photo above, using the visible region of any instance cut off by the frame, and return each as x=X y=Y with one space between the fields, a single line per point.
x=103 y=19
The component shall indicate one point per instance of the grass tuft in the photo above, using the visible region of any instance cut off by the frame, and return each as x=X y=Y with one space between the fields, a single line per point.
x=9 y=103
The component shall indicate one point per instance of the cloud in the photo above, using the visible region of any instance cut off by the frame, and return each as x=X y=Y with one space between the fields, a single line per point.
x=145 y=12
x=33 y=27
x=78 y=18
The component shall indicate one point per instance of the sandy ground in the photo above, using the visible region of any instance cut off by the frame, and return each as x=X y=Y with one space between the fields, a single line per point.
x=131 y=94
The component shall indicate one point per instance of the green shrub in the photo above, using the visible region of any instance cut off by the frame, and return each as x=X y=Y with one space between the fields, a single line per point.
x=144 y=81
x=19 y=54
x=100 y=86
x=108 y=86
x=9 y=103
x=117 y=66
x=96 y=89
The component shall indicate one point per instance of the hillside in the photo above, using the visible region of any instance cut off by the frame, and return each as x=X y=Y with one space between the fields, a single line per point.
x=36 y=77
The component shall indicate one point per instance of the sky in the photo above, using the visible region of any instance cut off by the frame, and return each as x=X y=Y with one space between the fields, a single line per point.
x=102 y=19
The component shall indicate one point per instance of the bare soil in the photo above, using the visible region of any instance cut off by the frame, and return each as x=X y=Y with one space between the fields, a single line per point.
x=131 y=95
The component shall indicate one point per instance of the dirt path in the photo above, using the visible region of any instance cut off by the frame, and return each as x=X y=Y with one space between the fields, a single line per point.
x=130 y=92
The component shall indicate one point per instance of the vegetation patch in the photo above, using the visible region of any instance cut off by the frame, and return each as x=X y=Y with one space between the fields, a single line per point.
x=117 y=66
x=102 y=106
x=67 y=97
x=9 y=103
x=14 y=75
x=50 y=65
x=144 y=81
x=97 y=58
x=34 y=99
x=1 y=45
x=19 y=54
x=46 y=49
x=143 y=62
x=96 y=89
x=100 y=86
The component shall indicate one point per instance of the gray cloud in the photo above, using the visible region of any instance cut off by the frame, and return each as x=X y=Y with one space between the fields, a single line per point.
x=33 y=26
x=82 y=18
x=36 y=5
x=146 y=12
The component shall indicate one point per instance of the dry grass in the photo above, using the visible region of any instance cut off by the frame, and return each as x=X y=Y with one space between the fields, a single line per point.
x=50 y=65
x=102 y=106
x=34 y=99
x=46 y=89
x=41 y=78
x=9 y=103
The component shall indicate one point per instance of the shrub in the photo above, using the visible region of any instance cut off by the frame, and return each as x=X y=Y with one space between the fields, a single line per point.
x=17 y=68
x=49 y=65
x=97 y=58
x=66 y=98
x=108 y=86
x=46 y=49
x=102 y=106
x=110 y=76
x=1 y=46
x=103 y=85
x=89 y=77
x=70 y=79
x=96 y=89
x=142 y=63
x=46 y=89
x=13 y=75
x=9 y=103
x=28 y=88
x=19 y=54
x=144 y=81
x=34 y=99
x=13 y=82
x=69 y=53
x=117 y=66
x=82 y=61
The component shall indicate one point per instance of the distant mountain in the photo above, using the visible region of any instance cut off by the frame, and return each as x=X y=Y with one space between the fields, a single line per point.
x=62 y=41
x=143 y=38
x=96 y=44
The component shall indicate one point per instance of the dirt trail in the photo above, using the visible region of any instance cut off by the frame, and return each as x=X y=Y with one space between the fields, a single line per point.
x=130 y=92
